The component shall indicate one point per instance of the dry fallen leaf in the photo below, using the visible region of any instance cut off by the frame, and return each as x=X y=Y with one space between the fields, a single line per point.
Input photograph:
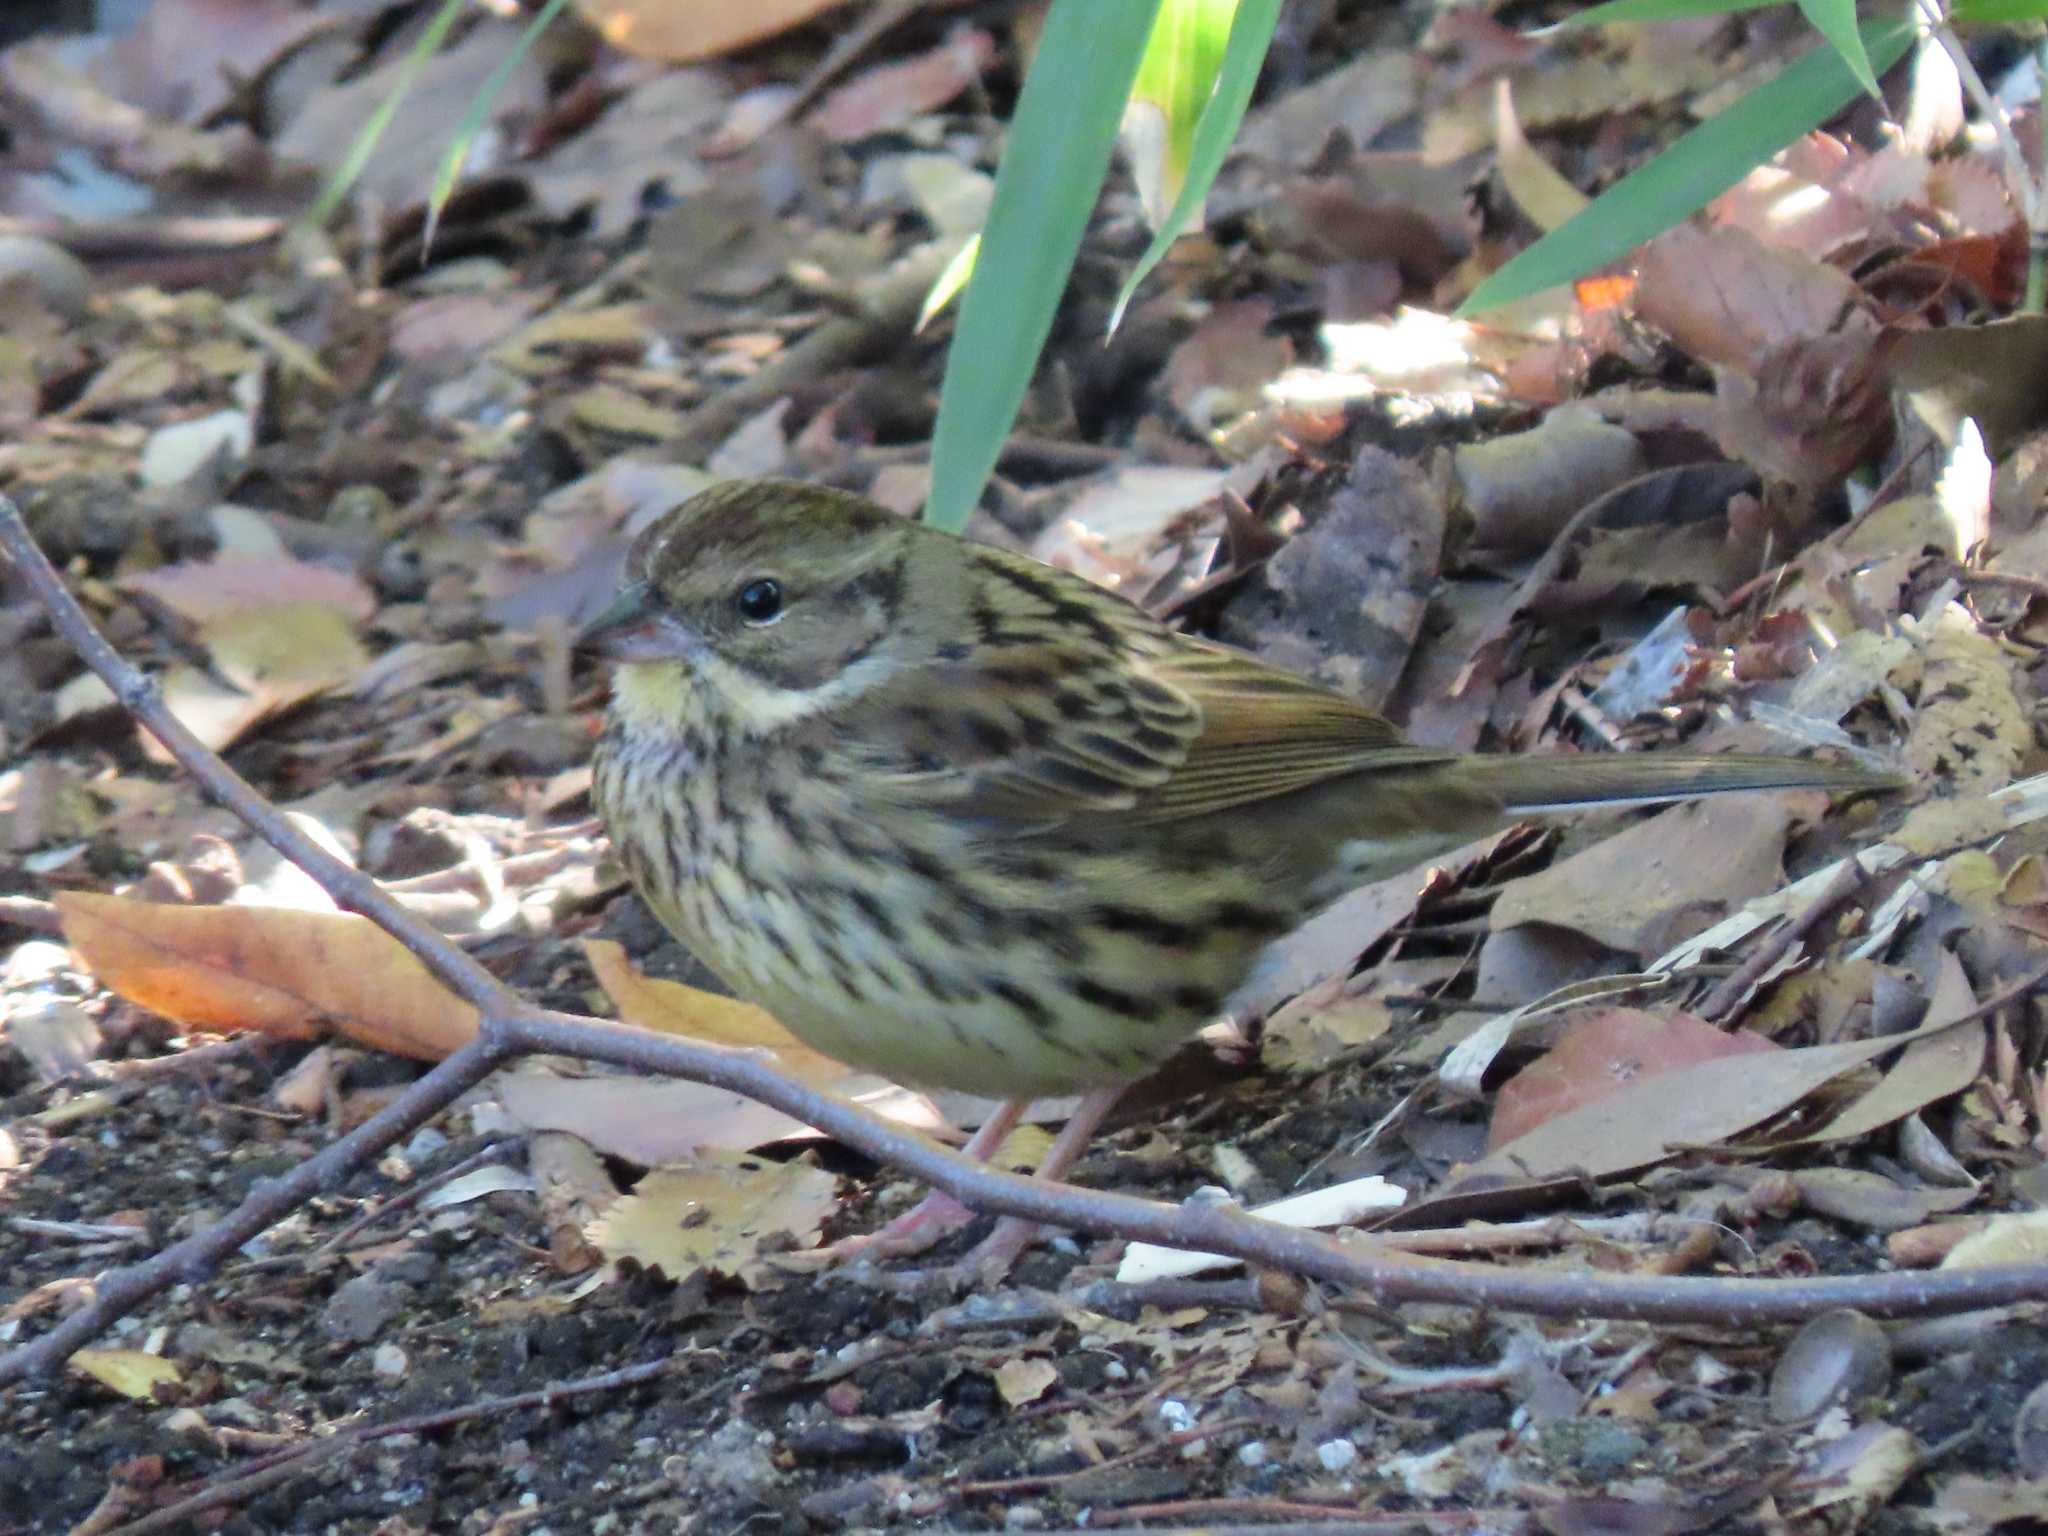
x=1929 y=1069
x=1602 y=1052
x=1025 y=1381
x=643 y=1121
x=203 y=592
x=1654 y=1117
x=292 y=975
x=1322 y=1026
x=890 y=96
x=2009 y=1238
x=1857 y=1198
x=671 y=1008
x=1523 y=487
x=1971 y=728
x=1657 y=881
x=715 y=1214
x=656 y=1121
x=1539 y=189
x=703 y=29
x=279 y=631
x=1728 y=300
x=129 y=1372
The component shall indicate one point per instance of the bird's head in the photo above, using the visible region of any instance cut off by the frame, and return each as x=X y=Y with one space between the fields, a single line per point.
x=768 y=600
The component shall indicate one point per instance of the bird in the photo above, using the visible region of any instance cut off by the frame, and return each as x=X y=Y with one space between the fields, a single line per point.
x=973 y=822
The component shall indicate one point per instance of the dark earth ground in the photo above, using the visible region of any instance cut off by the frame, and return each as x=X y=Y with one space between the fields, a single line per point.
x=824 y=1402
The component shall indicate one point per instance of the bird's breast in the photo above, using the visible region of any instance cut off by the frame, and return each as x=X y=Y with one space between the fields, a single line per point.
x=930 y=947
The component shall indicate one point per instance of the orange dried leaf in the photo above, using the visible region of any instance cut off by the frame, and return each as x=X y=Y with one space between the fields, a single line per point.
x=290 y=974
x=1611 y=291
x=703 y=29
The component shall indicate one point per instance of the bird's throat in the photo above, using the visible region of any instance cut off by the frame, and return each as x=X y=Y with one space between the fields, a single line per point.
x=659 y=699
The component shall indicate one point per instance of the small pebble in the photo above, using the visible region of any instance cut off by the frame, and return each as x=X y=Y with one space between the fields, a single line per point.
x=60 y=279
x=425 y=1142
x=174 y=453
x=1336 y=1455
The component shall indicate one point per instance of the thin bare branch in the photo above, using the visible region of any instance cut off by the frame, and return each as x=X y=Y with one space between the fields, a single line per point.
x=510 y=1027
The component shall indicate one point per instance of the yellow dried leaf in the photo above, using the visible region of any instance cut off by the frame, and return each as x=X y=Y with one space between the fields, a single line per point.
x=671 y=1008
x=129 y=1372
x=715 y=1214
x=1025 y=1381
x=1941 y=826
x=2026 y=883
x=1971 y=728
x=1316 y=1029
x=2020 y=1238
x=1971 y=879
x=563 y=336
x=621 y=413
x=1023 y=1149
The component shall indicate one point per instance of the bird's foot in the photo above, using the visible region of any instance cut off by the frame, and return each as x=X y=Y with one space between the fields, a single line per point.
x=990 y=1259
x=934 y=1218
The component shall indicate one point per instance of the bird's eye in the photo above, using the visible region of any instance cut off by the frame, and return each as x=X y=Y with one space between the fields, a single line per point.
x=760 y=600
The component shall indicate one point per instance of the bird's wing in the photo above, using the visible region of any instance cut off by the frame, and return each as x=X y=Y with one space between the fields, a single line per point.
x=1156 y=728
x=1264 y=732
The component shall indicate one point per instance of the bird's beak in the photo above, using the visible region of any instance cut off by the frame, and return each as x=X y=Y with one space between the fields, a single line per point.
x=630 y=628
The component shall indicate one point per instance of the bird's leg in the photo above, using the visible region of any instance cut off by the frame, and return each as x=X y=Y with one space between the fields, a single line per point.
x=938 y=1213
x=994 y=1254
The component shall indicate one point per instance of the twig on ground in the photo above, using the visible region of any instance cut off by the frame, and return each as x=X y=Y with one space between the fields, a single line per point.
x=194 y=1058
x=888 y=306
x=27 y=912
x=1005 y=1487
x=1736 y=986
x=509 y=1027
x=2033 y=586
x=408 y=1198
x=1337 y=1519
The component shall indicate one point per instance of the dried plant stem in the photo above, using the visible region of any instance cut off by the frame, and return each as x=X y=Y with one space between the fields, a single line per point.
x=511 y=1027
x=2026 y=192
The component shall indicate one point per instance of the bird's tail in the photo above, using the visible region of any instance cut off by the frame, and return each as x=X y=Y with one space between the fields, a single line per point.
x=1530 y=784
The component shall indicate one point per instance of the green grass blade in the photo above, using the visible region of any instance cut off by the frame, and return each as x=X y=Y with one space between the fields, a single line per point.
x=950 y=282
x=473 y=120
x=431 y=37
x=1835 y=20
x=2001 y=13
x=1651 y=10
x=1691 y=173
x=1250 y=34
x=1046 y=186
x=1175 y=80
